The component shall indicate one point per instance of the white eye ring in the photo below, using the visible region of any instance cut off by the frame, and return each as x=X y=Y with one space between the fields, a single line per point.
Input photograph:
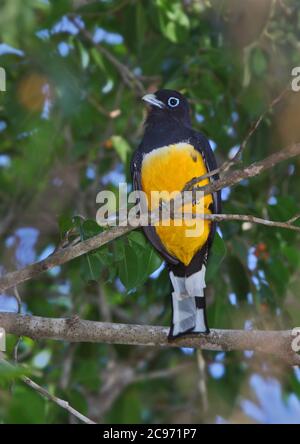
x=173 y=102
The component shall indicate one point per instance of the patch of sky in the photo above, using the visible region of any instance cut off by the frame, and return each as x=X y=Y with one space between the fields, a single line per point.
x=43 y=34
x=64 y=288
x=256 y=282
x=157 y=272
x=220 y=357
x=64 y=49
x=225 y=193
x=49 y=249
x=9 y=304
x=119 y=286
x=234 y=116
x=107 y=87
x=137 y=71
x=55 y=271
x=3 y=125
x=7 y=49
x=248 y=325
x=114 y=177
x=291 y=169
x=230 y=131
x=5 y=161
x=216 y=370
x=248 y=354
x=297 y=372
x=232 y=152
x=232 y=299
x=41 y=359
x=111 y=38
x=272 y=407
x=65 y=25
x=199 y=117
x=90 y=172
x=213 y=144
x=219 y=231
x=26 y=239
x=272 y=200
x=244 y=182
x=250 y=298
x=187 y=350
x=252 y=259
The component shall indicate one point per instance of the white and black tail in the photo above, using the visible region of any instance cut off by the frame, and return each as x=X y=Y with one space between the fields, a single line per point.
x=188 y=303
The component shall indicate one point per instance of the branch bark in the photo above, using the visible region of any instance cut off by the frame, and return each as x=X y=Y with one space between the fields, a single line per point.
x=277 y=343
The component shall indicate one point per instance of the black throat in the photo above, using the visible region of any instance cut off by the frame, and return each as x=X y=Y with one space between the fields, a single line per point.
x=162 y=129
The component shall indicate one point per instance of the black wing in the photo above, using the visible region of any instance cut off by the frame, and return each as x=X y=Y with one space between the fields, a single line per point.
x=201 y=144
x=150 y=232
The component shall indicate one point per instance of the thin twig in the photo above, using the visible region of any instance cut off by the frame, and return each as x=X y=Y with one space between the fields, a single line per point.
x=236 y=158
x=19 y=302
x=249 y=218
x=227 y=165
x=128 y=77
x=60 y=402
x=202 y=379
x=42 y=391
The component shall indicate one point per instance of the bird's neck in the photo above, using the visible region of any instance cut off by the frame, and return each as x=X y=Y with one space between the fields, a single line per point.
x=162 y=130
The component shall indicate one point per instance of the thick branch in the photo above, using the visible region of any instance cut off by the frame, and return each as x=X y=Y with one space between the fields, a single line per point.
x=64 y=255
x=277 y=343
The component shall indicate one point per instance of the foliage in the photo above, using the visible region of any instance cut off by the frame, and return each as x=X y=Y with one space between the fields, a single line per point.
x=69 y=121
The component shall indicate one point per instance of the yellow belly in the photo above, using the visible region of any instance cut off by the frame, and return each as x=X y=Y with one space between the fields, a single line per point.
x=168 y=169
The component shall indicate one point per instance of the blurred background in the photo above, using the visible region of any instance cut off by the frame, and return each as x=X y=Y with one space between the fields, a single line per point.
x=70 y=119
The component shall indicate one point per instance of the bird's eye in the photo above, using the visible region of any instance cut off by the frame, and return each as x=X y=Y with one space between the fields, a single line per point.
x=173 y=101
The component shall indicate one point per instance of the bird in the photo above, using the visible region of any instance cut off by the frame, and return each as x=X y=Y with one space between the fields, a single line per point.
x=170 y=154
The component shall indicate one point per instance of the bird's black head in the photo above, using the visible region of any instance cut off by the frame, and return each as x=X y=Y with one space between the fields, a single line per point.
x=170 y=104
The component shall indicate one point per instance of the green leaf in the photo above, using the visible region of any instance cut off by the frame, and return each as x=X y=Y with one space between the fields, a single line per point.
x=91 y=263
x=121 y=147
x=151 y=261
x=216 y=256
x=259 y=62
x=9 y=372
x=238 y=277
x=65 y=223
x=137 y=237
x=84 y=55
x=127 y=268
x=27 y=407
x=98 y=59
x=139 y=261
x=91 y=267
x=174 y=23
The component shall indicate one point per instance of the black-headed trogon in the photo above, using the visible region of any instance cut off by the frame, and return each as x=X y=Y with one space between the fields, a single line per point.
x=170 y=154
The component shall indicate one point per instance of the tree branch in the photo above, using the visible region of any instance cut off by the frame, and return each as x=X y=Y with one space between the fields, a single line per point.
x=61 y=256
x=64 y=255
x=252 y=219
x=252 y=170
x=60 y=402
x=277 y=343
x=43 y=392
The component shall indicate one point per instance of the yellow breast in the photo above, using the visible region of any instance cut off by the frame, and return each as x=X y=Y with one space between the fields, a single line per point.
x=168 y=169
